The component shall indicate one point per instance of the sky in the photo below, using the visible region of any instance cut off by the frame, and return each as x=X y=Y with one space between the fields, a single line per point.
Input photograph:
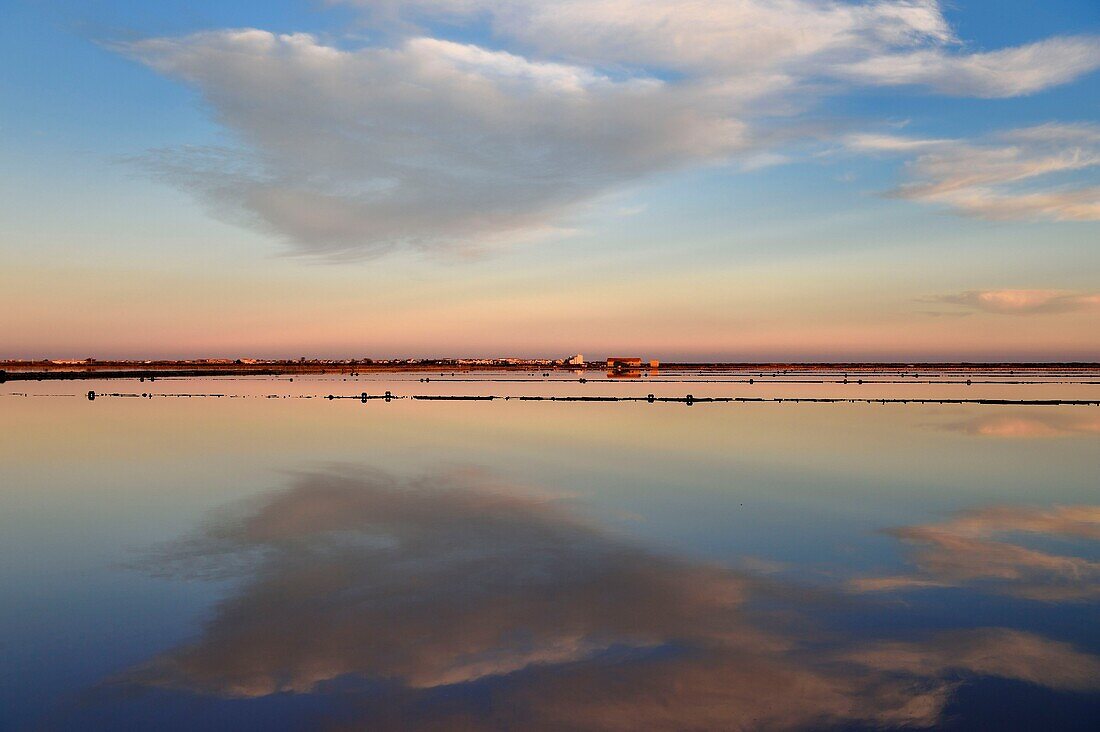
x=677 y=179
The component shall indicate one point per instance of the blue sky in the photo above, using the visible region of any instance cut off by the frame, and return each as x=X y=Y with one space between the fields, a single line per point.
x=152 y=184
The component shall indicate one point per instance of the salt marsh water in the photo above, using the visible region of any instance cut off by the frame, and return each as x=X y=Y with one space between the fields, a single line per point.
x=249 y=554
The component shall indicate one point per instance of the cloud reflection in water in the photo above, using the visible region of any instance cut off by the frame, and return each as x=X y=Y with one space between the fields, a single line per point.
x=1028 y=425
x=976 y=547
x=452 y=582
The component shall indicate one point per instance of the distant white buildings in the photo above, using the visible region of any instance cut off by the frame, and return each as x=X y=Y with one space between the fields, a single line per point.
x=577 y=360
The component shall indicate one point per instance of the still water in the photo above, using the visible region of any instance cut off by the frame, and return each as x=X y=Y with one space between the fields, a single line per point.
x=257 y=556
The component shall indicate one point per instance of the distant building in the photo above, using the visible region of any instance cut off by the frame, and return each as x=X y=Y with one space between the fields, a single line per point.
x=577 y=360
x=623 y=363
x=632 y=363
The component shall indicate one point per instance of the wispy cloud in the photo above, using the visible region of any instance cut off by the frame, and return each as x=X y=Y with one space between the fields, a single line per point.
x=1009 y=175
x=429 y=144
x=891 y=42
x=690 y=36
x=1009 y=72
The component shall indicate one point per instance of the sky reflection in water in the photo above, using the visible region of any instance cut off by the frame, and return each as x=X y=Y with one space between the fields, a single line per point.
x=395 y=594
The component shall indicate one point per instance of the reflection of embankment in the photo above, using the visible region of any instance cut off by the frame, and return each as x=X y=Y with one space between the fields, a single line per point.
x=531 y=618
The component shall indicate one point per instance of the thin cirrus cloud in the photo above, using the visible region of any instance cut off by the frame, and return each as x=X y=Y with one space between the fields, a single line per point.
x=425 y=143
x=1013 y=174
x=1009 y=72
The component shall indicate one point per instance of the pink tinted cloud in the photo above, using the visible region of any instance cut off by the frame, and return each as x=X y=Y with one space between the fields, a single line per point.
x=1023 y=302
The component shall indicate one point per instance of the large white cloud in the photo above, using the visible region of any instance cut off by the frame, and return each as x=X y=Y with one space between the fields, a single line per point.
x=426 y=143
x=431 y=142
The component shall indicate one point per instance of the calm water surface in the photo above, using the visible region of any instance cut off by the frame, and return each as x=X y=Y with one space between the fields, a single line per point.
x=272 y=559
